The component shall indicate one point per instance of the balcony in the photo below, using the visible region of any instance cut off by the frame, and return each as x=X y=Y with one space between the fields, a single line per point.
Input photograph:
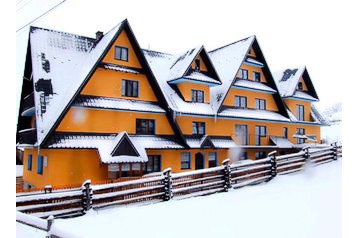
x=28 y=105
x=27 y=136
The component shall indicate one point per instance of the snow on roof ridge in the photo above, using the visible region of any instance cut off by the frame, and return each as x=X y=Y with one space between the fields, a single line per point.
x=244 y=39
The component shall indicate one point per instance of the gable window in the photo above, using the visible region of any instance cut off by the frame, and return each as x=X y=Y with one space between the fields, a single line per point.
x=300 y=86
x=260 y=104
x=197 y=64
x=29 y=162
x=185 y=160
x=243 y=74
x=260 y=131
x=285 y=132
x=198 y=128
x=153 y=164
x=241 y=133
x=300 y=109
x=240 y=101
x=213 y=160
x=40 y=164
x=121 y=53
x=300 y=131
x=256 y=76
x=130 y=88
x=145 y=127
x=197 y=96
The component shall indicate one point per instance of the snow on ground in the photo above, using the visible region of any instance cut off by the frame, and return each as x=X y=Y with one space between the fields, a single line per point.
x=305 y=204
x=19 y=170
x=332 y=133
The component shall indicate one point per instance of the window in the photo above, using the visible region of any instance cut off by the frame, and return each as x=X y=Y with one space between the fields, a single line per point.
x=256 y=76
x=300 y=86
x=185 y=160
x=121 y=53
x=260 y=131
x=241 y=132
x=198 y=128
x=125 y=170
x=300 y=112
x=243 y=74
x=29 y=162
x=145 y=127
x=260 y=104
x=130 y=88
x=213 y=160
x=285 y=132
x=300 y=131
x=39 y=164
x=197 y=96
x=153 y=164
x=260 y=155
x=240 y=101
x=243 y=156
x=197 y=64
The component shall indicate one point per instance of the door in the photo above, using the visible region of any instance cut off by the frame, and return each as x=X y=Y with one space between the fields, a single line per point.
x=199 y=161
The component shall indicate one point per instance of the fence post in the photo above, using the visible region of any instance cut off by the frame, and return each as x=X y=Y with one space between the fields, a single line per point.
x=306 y=155
x=86 y=196
x=335 y=150
x=168 y=184
x=48 y=189
x=50 y=221
x=272 y=156
x=227 y=175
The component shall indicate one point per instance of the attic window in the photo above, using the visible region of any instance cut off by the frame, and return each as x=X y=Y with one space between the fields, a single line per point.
x=300 y=86
x=121 y=53
x=197 y=64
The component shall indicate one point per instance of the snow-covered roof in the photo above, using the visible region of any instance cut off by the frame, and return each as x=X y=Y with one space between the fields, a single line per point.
x=120 y=68
x=287 y=80
x=251 y=61
x=304 y=96
x=257 y=86
x=227 y=61
x=281 y=142
x=119 y=104
x=218 y=142
x=65 y=59
x=198 y=76
x=252 y=114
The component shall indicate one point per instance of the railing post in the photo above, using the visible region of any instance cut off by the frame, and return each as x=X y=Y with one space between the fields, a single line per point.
x=50 y=221
x=335 y=150
x=306 y=155
x=86 y=196
x=227 y=174
x=168 y=184
x=272 y=156
x=48 y=189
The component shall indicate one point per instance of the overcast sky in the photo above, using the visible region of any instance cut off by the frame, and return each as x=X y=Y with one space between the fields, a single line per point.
x=290 y=33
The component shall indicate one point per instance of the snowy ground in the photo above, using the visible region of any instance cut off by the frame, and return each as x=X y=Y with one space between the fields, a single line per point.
x=298 y=205
x=332 y=133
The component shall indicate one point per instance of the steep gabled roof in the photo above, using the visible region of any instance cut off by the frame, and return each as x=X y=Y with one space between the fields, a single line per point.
x=287 y=81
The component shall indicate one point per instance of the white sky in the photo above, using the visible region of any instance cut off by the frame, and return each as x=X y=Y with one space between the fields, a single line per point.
x=290 y=35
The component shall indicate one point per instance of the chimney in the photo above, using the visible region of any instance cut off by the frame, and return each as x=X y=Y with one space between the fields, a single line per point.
x=99 y=35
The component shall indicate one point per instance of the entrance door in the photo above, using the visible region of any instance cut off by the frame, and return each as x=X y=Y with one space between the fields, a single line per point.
x=199 y=161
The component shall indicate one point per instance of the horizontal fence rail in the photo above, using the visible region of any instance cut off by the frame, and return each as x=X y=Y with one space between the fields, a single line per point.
x=167 y=185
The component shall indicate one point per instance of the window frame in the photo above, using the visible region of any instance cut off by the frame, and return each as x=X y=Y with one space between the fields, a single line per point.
x=126 y=83
x=197 y=125
x=195 y=96
x=300 y=110
x=241 y=74
x=215 y=159
x=197 y=64
x=300 y=131
x=29 y=162
x=151 y=161
x=262 y=132
x=285 y=132
x=238 y=99
x=139 y=130
x=260 y=104
x=121 y=48
x=188 y=163
x=40 y=166
x=246 y=142
x=254 y=74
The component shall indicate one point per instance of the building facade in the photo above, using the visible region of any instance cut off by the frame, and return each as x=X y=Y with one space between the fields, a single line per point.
x=103 y=108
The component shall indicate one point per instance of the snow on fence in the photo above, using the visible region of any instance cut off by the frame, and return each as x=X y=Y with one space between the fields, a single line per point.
x=167 y=185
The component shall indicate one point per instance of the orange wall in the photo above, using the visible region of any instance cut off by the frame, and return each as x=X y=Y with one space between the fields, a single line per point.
x=250 y=69
x=64 y=167
x=108 y=83
x=186 y=87
x=203 y=67
x=230 y=98
x=80 y=119
x=291 y=104
x=123 y=41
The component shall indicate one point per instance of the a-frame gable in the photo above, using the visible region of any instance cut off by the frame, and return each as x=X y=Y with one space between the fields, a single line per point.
x=124 y=146
x=206 y=142
x=309 y=84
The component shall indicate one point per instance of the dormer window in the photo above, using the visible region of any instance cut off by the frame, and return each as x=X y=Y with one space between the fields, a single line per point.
x=300 y=86
x=121 y=53
x=197 y=96
x=197 y=64
x=243 y=74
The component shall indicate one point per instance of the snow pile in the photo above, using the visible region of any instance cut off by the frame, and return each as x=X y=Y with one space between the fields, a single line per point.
x=299 y=205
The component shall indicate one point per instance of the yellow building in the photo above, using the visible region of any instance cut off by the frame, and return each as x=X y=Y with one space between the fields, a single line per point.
x=103 y=108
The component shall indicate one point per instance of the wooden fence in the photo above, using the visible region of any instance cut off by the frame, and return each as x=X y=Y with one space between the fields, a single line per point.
x=168 y=185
